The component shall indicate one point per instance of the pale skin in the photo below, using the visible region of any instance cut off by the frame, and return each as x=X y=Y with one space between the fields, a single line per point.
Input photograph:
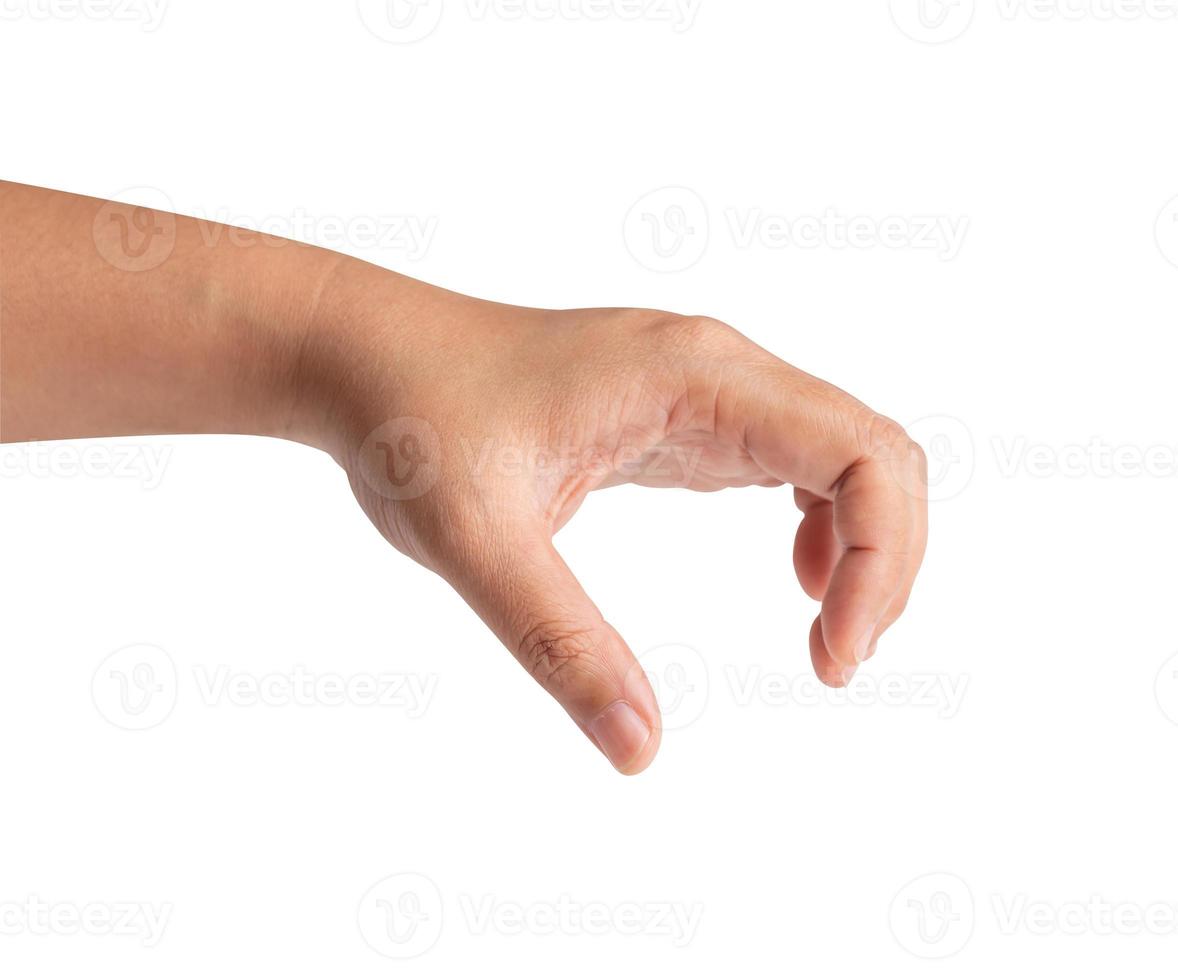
x=117 y=321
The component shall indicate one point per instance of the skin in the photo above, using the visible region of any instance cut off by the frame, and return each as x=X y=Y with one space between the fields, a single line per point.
x=471 y=431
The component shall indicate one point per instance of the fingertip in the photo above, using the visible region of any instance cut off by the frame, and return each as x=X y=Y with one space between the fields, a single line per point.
x=863 y=646
x=829 y=671
x=870 y=649
x=625 y=737
x=645 y=757
x=855 y=608
x=640 y=693
x=816 y=550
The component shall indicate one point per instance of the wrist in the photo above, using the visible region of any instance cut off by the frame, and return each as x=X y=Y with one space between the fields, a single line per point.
x=378 y=346
x=287 y=340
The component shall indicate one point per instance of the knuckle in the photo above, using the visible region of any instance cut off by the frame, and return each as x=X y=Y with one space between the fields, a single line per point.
x=688 y=333
x=886 y=445
x=884 y=438
x=881 y=436
x=558 y=654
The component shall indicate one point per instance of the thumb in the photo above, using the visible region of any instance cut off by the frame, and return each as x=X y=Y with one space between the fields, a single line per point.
x=523 y=590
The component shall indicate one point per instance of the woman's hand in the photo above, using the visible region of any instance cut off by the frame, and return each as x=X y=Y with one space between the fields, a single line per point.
x=120 y=320
x=470 y=442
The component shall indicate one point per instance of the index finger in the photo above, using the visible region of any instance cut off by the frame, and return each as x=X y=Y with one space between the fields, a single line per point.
x=806 y=432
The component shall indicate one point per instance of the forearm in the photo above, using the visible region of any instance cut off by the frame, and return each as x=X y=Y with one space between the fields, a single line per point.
x=119 y=321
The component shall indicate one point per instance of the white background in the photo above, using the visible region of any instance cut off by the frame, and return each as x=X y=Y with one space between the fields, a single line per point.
x=1014 y=737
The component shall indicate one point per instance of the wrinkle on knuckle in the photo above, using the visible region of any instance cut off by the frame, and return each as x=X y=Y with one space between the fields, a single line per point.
x=910 y=465
x=881 y=437
x=557 y=653
x=886 y=442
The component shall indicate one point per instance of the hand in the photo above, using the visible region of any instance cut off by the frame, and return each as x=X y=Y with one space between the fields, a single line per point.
x=405 y=383
x=587 y=399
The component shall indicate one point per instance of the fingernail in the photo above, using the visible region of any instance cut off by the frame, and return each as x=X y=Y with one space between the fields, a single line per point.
x=863 y=648
x=620 y=733
x=846 y=674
